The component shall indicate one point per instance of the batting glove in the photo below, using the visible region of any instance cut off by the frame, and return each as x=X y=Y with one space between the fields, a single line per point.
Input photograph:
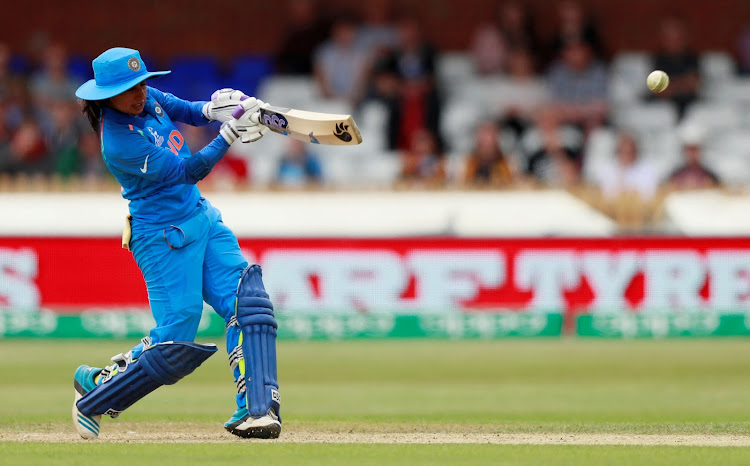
x=222 y=104
x=244 y=123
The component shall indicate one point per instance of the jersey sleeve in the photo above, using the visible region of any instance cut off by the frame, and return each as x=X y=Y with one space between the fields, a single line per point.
x=178 y=109
x=131 y=153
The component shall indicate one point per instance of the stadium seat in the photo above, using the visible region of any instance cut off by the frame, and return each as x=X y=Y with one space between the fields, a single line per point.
x=79 y=66
x=337 y=106
x=653 y=116
x=728 y=156
x=717 y=67
x=663 y=149
x=454 y=67
x=289 y=91
x=455 y=166
x=248 y=72
x=714 y=116
x=459 y=120
x=628 y=76
x=379 y=170
x=599 y=151
x=338 y=167
x=192 y=77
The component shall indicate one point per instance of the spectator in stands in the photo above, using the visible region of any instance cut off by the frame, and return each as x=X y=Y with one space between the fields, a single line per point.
x=377 y=34
x=488 y=50
x=341 y=67
x=517 y=28
x=692 y=174
x=13 y=92
x=680 y=62
x=28 y=151
x=6 y=74
x=553 y=151
x=743 y=51
x=306 y=30
x=53 y=82
x=574 y=26
x=626 y=174
x=492 y=41
x=423 y=165
x=91 y=168
x=578 y=86
x=413 y=102
x=518 y=98
x=487 y=166
x=62 y=132
x=299 y=167
x=7 y=161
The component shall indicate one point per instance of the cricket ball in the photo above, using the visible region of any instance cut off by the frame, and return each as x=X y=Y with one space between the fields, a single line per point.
x=657 y=81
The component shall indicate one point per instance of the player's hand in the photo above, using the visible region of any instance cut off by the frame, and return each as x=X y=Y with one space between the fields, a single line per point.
x=222 y=104
x=245 y=122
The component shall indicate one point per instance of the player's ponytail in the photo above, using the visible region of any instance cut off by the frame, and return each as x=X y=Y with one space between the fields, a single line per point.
x=93 y=111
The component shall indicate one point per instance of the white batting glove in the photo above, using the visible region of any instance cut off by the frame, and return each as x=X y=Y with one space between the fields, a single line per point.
x=222 y=104
x=244 y=123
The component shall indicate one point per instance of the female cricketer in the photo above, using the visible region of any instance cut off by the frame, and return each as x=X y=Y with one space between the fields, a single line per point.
x=186 y=254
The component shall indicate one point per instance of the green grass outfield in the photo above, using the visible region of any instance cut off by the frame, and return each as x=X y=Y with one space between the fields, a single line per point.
x=557 y=391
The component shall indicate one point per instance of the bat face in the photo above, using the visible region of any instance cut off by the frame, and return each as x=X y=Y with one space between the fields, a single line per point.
x=312 y=127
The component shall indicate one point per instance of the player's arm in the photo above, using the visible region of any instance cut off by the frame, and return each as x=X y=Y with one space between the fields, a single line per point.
x=135 y=155
x=138 y=156
x=178 y=109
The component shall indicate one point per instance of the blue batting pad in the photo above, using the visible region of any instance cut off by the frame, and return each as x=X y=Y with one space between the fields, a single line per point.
x=161 y=364
x=254 y=314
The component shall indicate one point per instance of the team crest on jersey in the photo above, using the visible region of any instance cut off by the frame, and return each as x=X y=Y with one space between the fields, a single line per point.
x=158 y=110
x=134 y=64
x=158 y=139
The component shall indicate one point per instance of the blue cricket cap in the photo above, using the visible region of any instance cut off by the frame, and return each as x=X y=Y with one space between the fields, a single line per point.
x=115 y=71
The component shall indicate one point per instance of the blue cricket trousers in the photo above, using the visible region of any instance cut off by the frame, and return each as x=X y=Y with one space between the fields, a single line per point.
x=185 y=264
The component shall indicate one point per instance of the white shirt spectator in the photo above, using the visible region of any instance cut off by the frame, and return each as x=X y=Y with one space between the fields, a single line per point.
x=638 y=177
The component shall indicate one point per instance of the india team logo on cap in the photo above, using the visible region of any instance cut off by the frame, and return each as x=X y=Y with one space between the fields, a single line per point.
x=134 y=64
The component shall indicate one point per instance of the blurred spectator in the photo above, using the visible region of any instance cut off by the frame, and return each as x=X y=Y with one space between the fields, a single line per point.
x=488 y=50
x=743 y=51
x=554 y=151
x=627 y=174
x=13 y=92
x=52 y=82
x=423 y=165
x=405 y=82
x=377 y=34
x=340 y=66
x=299 y=167
x=306 y=30
x=6 y=75
x=692 y=174
x=7 y=161
x=492 y=41
x=521 y=95
x=91 y=166
x=517 y=28
x=28 y=151
x=487 y=165
x=681 y=64
x=578 y=86
x=62 y=133
x=574 y=26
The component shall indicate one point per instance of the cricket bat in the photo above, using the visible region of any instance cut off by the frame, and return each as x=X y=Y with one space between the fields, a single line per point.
x=313 y=127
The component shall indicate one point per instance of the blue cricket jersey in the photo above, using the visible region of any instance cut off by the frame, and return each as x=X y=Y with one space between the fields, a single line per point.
x=147 y=154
